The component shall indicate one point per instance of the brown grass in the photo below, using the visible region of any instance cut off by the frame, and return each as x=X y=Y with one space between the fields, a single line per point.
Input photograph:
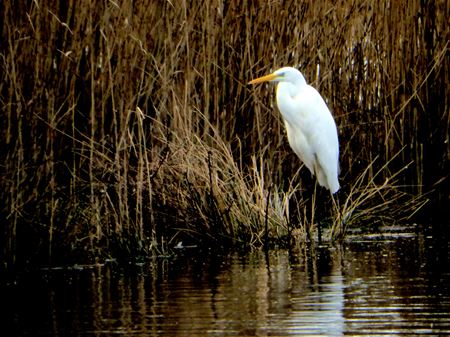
x=128 y=126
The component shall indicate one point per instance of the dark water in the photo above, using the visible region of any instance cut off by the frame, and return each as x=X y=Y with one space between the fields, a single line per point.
x=375 y=286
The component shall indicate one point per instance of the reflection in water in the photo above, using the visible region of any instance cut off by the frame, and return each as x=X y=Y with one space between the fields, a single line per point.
x=364 y=288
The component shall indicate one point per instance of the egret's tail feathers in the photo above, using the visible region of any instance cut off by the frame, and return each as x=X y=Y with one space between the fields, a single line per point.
x=333 y=185
x=328 y=181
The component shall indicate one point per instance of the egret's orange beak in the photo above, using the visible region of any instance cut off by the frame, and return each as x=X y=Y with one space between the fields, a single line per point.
x=266 y=78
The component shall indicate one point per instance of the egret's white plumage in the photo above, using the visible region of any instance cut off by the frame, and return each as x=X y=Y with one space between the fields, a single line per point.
x=310 y=127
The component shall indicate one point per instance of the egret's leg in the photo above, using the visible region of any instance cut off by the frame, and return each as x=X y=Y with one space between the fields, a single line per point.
x=313 y=212
x=338 y=226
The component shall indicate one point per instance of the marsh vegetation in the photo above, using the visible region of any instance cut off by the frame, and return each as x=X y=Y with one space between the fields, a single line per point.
x=128 y=127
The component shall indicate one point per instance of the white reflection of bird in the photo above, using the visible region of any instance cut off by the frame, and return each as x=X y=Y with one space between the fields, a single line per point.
x=310 y=127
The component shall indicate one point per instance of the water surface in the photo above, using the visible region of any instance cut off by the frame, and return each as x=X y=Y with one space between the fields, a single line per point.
x=382 y=286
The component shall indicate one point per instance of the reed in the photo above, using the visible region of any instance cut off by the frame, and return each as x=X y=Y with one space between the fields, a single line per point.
x=128 y=127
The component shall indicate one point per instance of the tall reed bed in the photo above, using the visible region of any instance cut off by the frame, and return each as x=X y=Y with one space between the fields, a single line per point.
x=128 y=126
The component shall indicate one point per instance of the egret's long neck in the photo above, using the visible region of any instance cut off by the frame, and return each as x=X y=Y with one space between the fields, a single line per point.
x=286 y=94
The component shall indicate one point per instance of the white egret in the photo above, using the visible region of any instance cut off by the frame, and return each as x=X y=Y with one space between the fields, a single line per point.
x=310 y=127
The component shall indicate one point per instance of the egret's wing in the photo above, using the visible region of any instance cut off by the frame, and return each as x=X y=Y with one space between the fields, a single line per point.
x=320 y=130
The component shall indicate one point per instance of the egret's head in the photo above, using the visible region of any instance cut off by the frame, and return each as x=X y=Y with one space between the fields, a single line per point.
x=285 y=74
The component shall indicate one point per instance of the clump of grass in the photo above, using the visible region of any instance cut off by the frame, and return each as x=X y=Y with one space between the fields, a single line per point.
x=214 y=197
x=373 y=201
